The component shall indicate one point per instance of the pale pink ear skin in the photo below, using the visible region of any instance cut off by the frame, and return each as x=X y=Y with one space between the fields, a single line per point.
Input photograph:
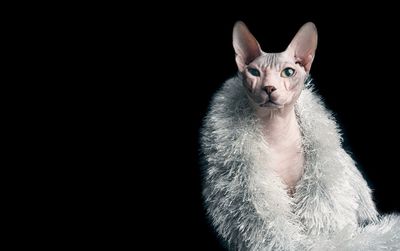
x=246 y=46
x=303 y=45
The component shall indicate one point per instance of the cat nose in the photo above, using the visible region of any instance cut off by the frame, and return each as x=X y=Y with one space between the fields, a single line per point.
x=269 y=89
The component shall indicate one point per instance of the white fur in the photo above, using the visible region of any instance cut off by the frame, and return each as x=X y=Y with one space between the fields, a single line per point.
x=332 y=208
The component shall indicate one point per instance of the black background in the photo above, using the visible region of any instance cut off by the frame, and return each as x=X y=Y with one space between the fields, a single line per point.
x=169 y=65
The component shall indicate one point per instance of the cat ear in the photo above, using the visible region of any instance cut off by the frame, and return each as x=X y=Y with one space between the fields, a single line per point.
x=245 y=45
x=304 y=44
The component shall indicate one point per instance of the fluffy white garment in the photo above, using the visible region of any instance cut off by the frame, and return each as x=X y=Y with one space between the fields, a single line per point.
x=248 y=204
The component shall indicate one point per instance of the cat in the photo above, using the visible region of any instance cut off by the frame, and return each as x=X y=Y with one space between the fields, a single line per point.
x=274 y=82
x=276 y=176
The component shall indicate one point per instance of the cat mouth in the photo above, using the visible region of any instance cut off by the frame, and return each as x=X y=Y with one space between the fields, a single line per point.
x=271 y=104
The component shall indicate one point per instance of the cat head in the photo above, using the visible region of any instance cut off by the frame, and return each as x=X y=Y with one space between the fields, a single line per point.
x=274 y=80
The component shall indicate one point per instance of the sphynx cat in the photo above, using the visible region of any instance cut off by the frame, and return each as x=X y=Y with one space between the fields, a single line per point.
x=274 y=82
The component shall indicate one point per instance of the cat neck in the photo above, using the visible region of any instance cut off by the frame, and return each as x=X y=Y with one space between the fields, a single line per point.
x=282 y=133
x=279 y=126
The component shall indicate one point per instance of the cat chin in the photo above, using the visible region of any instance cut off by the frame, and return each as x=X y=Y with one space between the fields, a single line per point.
x=271 y=104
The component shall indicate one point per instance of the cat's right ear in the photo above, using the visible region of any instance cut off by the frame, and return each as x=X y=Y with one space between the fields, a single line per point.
x=245 y=45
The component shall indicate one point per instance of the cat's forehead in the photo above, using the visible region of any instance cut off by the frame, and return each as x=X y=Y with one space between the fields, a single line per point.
x=272 y=60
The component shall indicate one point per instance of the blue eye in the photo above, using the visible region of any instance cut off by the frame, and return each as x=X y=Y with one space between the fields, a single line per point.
x=254 y=72
x=287 y=72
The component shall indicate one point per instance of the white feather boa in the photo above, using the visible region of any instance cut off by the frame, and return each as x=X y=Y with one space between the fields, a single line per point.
x=332 y=208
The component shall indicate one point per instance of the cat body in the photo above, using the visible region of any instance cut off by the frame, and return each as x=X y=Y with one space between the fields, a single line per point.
x=276 y=176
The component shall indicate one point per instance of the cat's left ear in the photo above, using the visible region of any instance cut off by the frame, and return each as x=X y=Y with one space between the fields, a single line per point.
x=303 y=45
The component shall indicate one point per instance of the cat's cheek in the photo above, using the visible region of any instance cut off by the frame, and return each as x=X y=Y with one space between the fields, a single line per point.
x=257 y=99
x=296 y=92
x=295 y=86
x=248 y=87
x=288 y=85
x=295 y=83
x=246 y=82
x=251 y=84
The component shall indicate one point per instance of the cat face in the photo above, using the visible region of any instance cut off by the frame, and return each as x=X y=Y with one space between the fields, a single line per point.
x=274 y=80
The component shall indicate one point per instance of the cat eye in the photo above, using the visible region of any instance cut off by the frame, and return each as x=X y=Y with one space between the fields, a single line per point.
x=254 y=72
x=287 y=72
